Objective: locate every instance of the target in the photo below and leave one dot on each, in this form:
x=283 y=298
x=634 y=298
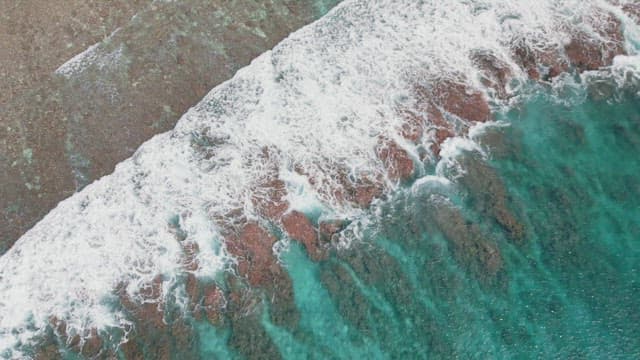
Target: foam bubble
x=320 y=101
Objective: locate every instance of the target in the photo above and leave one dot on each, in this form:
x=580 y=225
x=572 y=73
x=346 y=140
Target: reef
x=257 y=286
x=64 y=128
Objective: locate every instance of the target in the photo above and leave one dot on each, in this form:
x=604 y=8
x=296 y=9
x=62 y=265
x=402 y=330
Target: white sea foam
x=430 y=182
x=78 y=62
x=92 y=56
x=319 y=100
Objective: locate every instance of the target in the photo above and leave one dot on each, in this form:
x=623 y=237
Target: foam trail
x=320 y=101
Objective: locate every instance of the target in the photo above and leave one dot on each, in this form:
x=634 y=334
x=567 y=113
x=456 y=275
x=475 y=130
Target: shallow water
x=522 y=246
x=569 y=289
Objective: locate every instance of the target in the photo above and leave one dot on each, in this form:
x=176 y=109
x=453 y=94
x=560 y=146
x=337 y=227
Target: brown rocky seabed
x=59 y=132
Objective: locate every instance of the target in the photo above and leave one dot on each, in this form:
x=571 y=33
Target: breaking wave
x=315 y=106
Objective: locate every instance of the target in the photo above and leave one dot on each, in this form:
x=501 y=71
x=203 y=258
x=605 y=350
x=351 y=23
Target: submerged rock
x=359 y=191
x=253 y=248
x=259 y=266
x=472 y=247
x=351 y=303
x=588 y=53
x=540 y=64
x=158 y=326
x=583 y=51
x=327 y=229
x=299 y=228
x=207 y=300
x=190 y=261
x=396 y=160
x=490 y=194
x=496 y=74
x=89 y=344
x=243 y=315
x=148 y=310
x=461 y=100
x=413 y=125
x=269 y=193
x=365 y=191
x=212 y=303
x=48 y=352
x=446 y=97
x=270 y=198
x=439 y=136
x=92 y=344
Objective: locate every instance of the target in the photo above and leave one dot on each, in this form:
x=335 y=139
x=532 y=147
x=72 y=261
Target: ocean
x=515 y=236
x=568 y=289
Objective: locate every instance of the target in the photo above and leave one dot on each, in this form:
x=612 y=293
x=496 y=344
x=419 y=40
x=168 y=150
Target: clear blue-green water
x=568 y=288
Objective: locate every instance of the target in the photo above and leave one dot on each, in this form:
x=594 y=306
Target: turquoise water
x=557 y=197
x=568 y=288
